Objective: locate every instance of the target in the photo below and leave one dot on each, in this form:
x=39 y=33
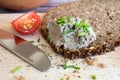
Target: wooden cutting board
x=8 y=61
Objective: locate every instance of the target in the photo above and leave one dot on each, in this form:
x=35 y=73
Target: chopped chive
x=38 y=40
x=65 y=66
x=60 y=24
x=71 y=66
x=94 y=77
x=87 y=28
x=85 y=23
x=68 y=18
x=80 y=25
x=75 y=24
x=31 y=41
x=67 y=31
x=61 y=21
x=48 y=37
x=81 y=34
x=16 y=69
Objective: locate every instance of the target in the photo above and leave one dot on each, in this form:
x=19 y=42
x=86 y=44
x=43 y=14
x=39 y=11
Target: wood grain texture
x=8 y=61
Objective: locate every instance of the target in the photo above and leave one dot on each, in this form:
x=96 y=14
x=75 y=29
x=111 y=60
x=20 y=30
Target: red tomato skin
x=32 y=14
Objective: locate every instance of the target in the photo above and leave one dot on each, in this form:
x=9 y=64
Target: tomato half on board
x=27 y=23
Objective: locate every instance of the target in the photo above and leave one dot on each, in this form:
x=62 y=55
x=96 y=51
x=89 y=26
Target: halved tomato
x=27 y=23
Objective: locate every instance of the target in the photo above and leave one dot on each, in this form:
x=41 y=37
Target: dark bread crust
x=103 y=16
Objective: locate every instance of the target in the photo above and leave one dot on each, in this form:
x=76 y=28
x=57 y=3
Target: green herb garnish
x=48 y=37
x=60 y=24
x=65 y=66
x=68 y=18
x=71 y=66
x=61 y=21
x=67 y=31
x=16 y=69
x=31 y=41
x=84 y=26
x=78 y=25
x=81 y=34
x=94 y=77
x=38 y=40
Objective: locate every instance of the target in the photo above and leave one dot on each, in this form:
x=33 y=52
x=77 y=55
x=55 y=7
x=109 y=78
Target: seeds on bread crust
x=107 y=30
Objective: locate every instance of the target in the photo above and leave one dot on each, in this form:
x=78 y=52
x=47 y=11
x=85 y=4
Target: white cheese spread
x=67 y=34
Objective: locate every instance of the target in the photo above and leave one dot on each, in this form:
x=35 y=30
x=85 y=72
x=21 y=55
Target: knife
x=25 y=50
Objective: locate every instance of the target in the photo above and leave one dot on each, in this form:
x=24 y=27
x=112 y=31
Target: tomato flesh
x=27 y=23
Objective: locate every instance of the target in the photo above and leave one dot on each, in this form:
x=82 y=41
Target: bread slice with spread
x=84 y=28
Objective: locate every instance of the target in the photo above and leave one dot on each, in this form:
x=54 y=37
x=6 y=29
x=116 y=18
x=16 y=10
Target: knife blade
x=25 y=50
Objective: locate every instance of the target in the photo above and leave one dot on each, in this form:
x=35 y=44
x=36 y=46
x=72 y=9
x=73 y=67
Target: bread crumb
x=101 y=65
x=68 y=78
x=19 y=78
x=90 y=61
x=76 y=71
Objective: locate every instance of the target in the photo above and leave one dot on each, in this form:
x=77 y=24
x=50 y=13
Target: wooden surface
x=44 y=8
x=8 y=61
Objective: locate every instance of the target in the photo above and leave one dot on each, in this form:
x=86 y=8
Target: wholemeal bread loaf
x=102 y=15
